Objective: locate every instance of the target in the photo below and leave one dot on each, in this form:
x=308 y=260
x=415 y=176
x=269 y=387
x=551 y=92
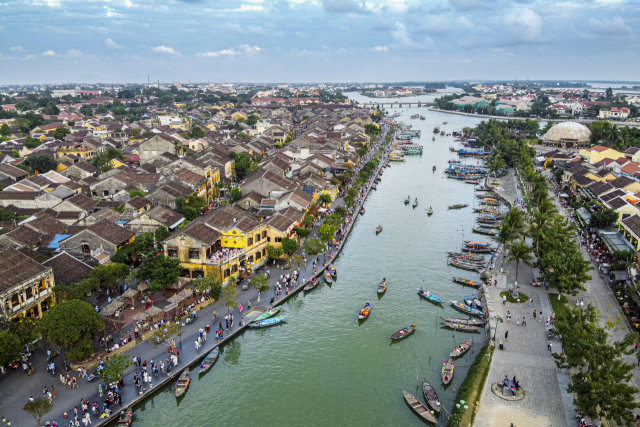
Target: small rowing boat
x=382 y=287
x=471 y=301
x=407 y=200
x=458 y=206
x=267 y=322
x=447 y=371
x=465 y=308
x=183 y=382
x=419 y=408
x=471 y=322
x=403 y=333
x=378 y=229
x=465 y=266
x=430 y=296
x=483 y=231
x=467 y=256
x=267 y=314
x=460 y=349
x=374 y=187
x=430 y=395
x=312 y=284
x=434 y=167
x=479 y=245
x=467 y=282
x=430 y=211
x=415 y=203
x=208 y=361
x=124 y=419
x=362 y=211
x=332 y=271
x=364 y=313
x=461 y=327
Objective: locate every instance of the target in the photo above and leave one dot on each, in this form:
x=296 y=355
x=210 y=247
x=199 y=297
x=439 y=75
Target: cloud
x=74 y=52
x=48 y=53
x=379 y=49
x=112 y=14
x=438 y=24
x=16 y=49
x=250 y=8
x=258 y=31
x=524 y=24
x=110 y=44
x=28 y=57
x=233 y=28
x=404 y=41
x=165 y=49
x=610 y=27
x=243 y=49
x=344 y=6
x=465 y=22
x=300 y=35
x=467 y=4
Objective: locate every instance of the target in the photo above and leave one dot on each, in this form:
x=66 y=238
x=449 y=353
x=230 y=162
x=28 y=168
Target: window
x=105 y=193
x=234 y=268
x=194 y=253
x=250 y=258
x=264 y=234
x=172 y=252
x=227 y=272
x=264 y=252
x=268 y=239
x=85 y=248
x=257 y=255
x=94 y=193
x=257 y=237
x=277 y=239
x=250 y=241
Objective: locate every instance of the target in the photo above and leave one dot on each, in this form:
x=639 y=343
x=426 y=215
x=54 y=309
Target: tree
x=114 y=368
x=341 y=210
x=334 y=220
x=61 y=132
x=274 y=252
x=102 y=161
x=608 y=94
x=538 y=225
x=261 y=283
x=604 y=218
x=520 y=253
x=38 y=408
x=243 y=164
x=229 y=294
x=6 y=215
x=602 y=376
x=42 y=164
x=303 y=232
x=10 y=348
x=86 y=110
x=15 y=153
x=71 y=324
x=30 y=142
x=326 y=232
x=197 y=132
x=5 y=130
x=208 y=283
x=495 y=165
x=162 y=271
x=136 y=192
x=289 y=246
x=326 y=199
x=314 y=247
x=505 y=234
x=236 y=194
x=25 y=329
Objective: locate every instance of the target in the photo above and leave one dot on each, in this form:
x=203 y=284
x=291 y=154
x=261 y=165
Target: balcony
x=225 y=259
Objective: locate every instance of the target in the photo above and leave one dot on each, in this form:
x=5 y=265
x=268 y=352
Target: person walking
x=549 y=345
x=53 y=391
x=524 y=321
x=506 y=336
x=530 y=301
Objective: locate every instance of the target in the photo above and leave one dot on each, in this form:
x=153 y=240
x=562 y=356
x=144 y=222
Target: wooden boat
x=461 y=327
x=460 y=349
x=364 y=313
x=430 y=395
x=468 y=256
x=467 y=282
x=183 y=382
x=267 y=322
x=419 y=408
x=382 y=287
x=483 y=231
x=422 y=118
x=475 y=244
x=332 y=271
x=403 y=333
x=124 y=419
x=471 y=301
x=362 y=211
x=489 y=226
x=378 y=229
x=472 y=181
x=208 y=361
x=465 y=266
x=374 y=187
x=434 y=167
x=465 y=308
x=447 y=371
x=471 y=322
x=312 y=284
x=269 y=313
x=430 y=211
x=415 y=203
x=478 y=250
x=459 y=206
x=407 y=200
x=430 y=296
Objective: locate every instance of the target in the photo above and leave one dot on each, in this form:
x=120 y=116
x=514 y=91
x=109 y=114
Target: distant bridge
x=399 y=104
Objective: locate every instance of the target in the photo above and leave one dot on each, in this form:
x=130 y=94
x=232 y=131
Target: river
x=322 y=367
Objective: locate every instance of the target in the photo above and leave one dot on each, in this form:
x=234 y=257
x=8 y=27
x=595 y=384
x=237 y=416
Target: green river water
x=323 y=367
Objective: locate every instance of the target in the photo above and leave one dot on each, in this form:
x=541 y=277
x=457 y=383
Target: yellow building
x=239 y=115
x=219 y=245
x=26 y=286
x=81 y=150
x=598 y=153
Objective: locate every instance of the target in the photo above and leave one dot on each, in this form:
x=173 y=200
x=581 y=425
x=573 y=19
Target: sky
x=268 y=41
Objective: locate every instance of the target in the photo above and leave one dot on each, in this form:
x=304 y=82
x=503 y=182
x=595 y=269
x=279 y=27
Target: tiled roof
x=138 y=202
x=111 y=232
x=12 y=171
x=47 y=224
x=67 y=269
x=16 y=268
x=25 y=235
x=82 y=201
x=163 y=215
x=203 y=233
x=612 y=195
x=622 y=182
x=280 y=222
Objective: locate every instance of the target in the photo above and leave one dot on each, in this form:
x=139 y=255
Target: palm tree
x=505 y=234
x=520 y=253
x=538 y=226
x=495 y=165
x=515 y=219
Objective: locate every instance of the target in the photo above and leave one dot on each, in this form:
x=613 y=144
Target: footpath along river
x=324 y=367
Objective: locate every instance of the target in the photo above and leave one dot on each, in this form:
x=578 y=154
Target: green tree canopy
x=10 y=348
x=314 y=247
x=260 y=282
x=102 y=161
x=30 y=142
x=161 y=270
x=38 y=408
x=326 y=232
x=236 y=194
x=289 y=246
x=197 y=132
x=42 y=164
x=5 y=130
x=604 y=218
x=274 y=252
x=229 y=295
x=208 y=283
x=61 y=132
x=71 y=324
x=114 y=368
x=303 y=232
x=136 y=192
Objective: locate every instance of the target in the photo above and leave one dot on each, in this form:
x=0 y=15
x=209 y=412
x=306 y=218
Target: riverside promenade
x=17 y=386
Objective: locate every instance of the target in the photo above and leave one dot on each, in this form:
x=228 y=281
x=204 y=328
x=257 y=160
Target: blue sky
x=48 y=41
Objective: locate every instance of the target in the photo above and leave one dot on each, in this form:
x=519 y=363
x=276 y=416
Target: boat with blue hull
x=430 y=296
x=465 y=308
x=267 y=322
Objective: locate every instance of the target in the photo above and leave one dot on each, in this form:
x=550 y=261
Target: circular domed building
x=568 y=135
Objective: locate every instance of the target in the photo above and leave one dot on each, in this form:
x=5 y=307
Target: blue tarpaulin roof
x=55 y=243
x=122 y=221
x=488 y=216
